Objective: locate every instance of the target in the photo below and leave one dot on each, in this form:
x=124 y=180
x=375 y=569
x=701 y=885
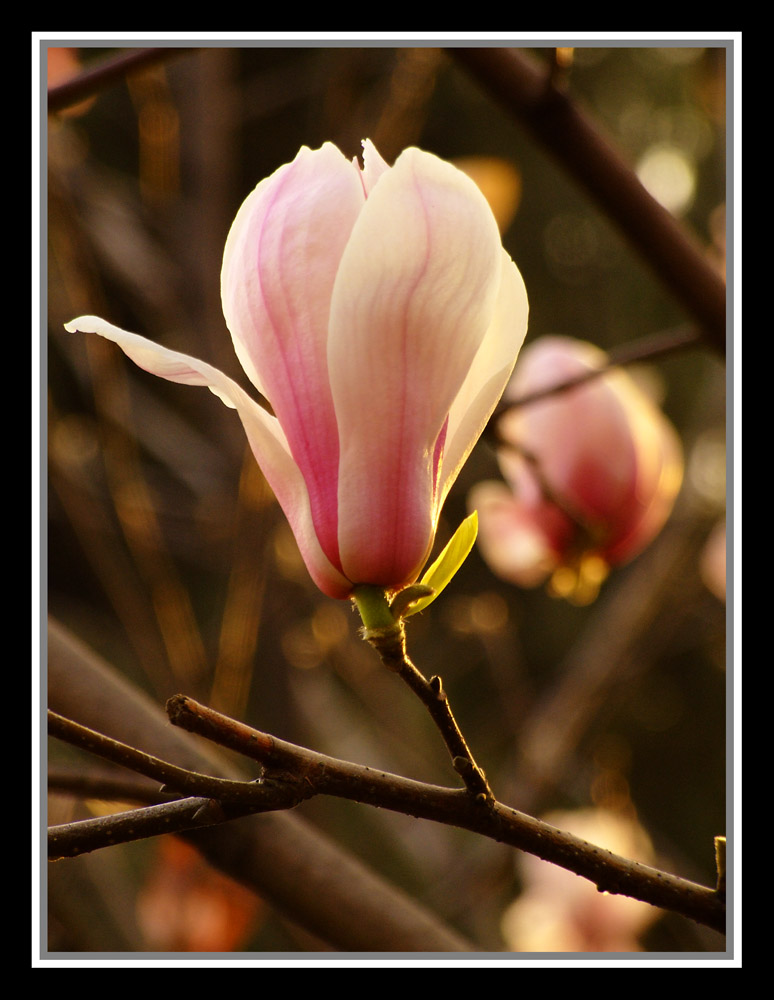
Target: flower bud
x=376 y=310
x=592 y=473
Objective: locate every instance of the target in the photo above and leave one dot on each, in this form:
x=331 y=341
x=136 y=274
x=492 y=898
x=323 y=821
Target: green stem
x=373 y=606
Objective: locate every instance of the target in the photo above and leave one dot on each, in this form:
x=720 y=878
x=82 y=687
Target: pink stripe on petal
x=413 y=299
x=279 y=268
x=376 y=311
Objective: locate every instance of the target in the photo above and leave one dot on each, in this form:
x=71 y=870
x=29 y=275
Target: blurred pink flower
x=185 y=905
x=712 y=564
x=559 y=911
x=378 y=313
x=592 y=473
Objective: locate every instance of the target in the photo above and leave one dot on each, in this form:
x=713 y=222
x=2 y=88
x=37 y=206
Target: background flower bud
x=558 y=912
x=591 y=472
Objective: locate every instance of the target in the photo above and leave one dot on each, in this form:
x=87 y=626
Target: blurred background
x=169 y=556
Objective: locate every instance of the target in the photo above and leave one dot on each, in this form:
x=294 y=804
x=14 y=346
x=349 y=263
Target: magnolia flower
x=592 y=473
x=377 y=312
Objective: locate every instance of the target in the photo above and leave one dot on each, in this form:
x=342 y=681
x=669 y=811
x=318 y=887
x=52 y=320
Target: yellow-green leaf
x=448 y=562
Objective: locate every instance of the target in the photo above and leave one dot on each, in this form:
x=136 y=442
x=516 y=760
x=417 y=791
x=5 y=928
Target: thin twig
x=106 y=785
x=70 y=840
x=256 y=797
x=385 y=630
x=390 y=644
x=301 y=872
x=217 y=799
x=319 y=774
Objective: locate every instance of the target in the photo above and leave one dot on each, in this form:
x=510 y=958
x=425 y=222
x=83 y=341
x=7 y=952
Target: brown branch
x=307 y=877
x=107 y=73
x=390 y=643
x=384 y=629
x=298 y=773
x=255 y=797
x=326 y=775
x=70 y=840
x=528 y=93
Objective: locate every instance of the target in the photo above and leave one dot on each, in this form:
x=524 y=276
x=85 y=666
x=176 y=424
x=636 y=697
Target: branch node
x=389 y=641
x=210 y=811
x=462 y=766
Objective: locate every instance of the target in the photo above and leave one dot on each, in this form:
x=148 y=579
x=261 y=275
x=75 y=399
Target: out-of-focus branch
x=105 y=784
x=527 y=90
x=636 y=351
x=304 y=875
x=456 y=807
x=97 y=78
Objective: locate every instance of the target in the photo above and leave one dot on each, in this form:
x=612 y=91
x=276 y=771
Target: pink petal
x=605 y=451
x=511 y=541
x=279 y=267
x=414 y=297
x=658 y=476
x=573 y=435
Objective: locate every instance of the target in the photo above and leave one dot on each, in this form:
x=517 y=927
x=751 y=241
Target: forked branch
x=292 y=773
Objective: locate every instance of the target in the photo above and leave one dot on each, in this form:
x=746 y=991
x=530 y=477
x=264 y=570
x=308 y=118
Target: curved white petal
x=264 y=435
x=414 y=296
x=488 y=375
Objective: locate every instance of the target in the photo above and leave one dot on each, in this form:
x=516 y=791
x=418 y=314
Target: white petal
x=264 y=434
x=414 y=295
x=373 y=166
x=489 y=373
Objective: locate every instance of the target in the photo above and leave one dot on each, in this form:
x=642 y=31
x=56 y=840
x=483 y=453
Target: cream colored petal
x=264 y=434
x=488 y=375
x=413 y=299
